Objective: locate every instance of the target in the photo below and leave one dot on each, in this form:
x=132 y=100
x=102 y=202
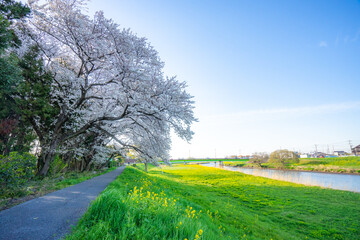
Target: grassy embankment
x=196 y=202
x=39 y=187
x=337 y=165
x=241 y=163
x=205 y=160
x=340 y=164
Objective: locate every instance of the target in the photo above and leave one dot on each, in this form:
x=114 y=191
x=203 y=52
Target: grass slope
x=197 y=202
x=340 y=164
x=206 y=160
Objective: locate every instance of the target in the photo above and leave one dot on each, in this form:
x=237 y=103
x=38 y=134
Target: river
x=328 y=180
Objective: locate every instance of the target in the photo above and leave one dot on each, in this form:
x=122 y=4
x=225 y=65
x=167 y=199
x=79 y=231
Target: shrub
x=16 y=169
x=281 y=157
x=259 y=158
x=57 y=166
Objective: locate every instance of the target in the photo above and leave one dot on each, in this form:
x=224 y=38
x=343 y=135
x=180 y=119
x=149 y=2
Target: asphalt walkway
x=51 y=216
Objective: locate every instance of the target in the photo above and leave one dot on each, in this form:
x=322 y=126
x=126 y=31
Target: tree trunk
x=88 y=160
x=82 y=165
x=46 y=159
x=88 y=167
x=107 y=161
x=45 y=168
x=6 y=148
x=146 y=166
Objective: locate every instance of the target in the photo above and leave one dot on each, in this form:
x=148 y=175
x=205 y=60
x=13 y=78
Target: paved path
x=51 y=216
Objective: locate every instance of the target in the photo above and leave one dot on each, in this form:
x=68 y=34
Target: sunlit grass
x=197 y=202
x=139 y=206
x=207 y=160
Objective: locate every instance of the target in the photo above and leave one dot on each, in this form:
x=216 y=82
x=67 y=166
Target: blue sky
x=264 y=74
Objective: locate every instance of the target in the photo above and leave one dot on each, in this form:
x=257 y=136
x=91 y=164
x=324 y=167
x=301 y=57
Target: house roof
x=357 y=148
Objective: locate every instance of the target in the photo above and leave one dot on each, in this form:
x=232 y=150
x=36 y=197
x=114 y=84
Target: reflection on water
x=335 y=181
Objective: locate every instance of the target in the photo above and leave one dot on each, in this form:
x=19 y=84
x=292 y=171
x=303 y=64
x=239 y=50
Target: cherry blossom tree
x=106 y=80
x=259 y=158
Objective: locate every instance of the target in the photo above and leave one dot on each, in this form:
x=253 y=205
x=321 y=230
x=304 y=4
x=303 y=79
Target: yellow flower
x=200 y=231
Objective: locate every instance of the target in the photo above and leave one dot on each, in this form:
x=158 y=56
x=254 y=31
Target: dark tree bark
x=47 y=157
x=106 y=163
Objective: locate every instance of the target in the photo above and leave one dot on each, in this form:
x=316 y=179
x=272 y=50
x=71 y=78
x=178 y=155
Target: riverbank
x=295 y=170
x=343 y=165
x=197 y=202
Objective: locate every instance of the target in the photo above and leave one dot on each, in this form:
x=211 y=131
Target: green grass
x=206 y=160
x=241 y=163
x=339 y=164
x=180 y=202
x=73 y=178
x=39 y=187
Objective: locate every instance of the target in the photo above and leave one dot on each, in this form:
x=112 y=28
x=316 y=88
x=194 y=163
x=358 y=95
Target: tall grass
x=142 y=207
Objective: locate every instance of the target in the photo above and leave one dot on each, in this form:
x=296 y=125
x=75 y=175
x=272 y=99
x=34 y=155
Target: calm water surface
x=328 y=180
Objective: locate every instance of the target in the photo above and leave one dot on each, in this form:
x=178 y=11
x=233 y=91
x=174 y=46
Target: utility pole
x=316 y=150
x=350 y=146
x=328 y=150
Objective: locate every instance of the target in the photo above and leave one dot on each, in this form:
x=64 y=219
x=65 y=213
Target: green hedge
x=16 y=169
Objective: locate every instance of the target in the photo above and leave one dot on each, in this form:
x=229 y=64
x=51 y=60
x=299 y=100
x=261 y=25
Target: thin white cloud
x=323 y=44
x=319 y=109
